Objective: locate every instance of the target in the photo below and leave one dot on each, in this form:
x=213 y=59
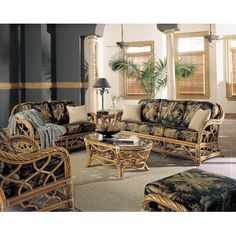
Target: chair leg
x=198 y=160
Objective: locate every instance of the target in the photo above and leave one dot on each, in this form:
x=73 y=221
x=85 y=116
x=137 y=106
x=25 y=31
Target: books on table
x=124 y=140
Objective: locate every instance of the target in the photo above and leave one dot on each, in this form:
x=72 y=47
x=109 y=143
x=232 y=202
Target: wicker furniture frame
x=207 y=145
x=52 y=194
x=70 y=142
x=112 y=117
x=122 y=157
x=161 y=200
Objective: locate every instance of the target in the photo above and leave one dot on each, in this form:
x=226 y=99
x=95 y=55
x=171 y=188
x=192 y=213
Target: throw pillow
x=199 y=118
x=132 y=112
x=77 y=114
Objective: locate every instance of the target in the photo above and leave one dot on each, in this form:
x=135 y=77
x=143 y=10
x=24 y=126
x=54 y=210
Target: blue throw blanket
x=48 y=132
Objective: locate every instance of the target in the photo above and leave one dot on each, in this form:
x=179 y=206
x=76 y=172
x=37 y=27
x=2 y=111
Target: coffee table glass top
x=122 y=140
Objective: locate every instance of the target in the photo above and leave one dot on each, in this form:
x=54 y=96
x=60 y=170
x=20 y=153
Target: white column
x=171 y=84
x=92 y=73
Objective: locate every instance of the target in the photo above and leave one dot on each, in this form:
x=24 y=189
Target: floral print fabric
x=197 y=190
x=149 y=110
x=171 y=112
x=79 y=127
x=142 y=127
x=187 y=135
x=59 y=112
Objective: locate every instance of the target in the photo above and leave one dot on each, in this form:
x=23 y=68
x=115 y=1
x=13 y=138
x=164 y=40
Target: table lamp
x=102 y=84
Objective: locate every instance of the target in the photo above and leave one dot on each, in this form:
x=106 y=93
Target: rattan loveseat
x=54 y=112
x=33 y=179
x=166 y=123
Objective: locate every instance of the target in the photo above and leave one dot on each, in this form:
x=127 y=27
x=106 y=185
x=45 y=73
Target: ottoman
x=191 y=190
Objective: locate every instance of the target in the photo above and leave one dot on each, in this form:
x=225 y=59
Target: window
x=231 y=67
x=194 y=48
x=139 y=52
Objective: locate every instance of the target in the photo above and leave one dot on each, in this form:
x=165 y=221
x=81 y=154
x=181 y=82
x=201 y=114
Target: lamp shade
x=101 y=83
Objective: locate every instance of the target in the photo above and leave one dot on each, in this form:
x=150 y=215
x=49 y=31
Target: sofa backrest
x=42 y=107
x=173 y=112
x=150 y=109
x=53 y=111
x=193 y=106
x=59 y=111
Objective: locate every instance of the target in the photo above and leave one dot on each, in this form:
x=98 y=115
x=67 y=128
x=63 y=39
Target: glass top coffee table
x=122 y=151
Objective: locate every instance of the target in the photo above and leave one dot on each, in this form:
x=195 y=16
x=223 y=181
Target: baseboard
x=230 y=116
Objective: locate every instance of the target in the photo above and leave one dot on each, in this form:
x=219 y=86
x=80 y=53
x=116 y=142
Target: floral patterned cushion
x=179 y=133
x=59 y=111
x=79 y=127
x=171 y=112
x=196 y=190
x=142 y=127
x=193 y=106
x=149 y=110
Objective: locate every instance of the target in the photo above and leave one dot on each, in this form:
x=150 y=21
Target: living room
x=42 y=63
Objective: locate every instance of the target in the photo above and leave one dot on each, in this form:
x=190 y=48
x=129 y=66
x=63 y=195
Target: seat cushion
x=193 y=106
x=171 y=112
x=59 y=111
x=196 y=190
x=79 y=127
x=149 y=110
x=142 y=127
x=179 y=133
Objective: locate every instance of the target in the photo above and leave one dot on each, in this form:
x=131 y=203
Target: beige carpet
x=97 y=188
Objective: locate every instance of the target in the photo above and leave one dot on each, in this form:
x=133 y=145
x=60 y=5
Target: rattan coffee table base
x=122 y=157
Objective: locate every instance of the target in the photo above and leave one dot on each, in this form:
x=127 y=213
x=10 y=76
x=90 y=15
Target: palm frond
x=161 y=74
x=184 y=68
x=122 y=64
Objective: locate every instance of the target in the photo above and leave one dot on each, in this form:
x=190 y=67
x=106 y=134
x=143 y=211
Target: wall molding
x=44 y=85
x=230 y=116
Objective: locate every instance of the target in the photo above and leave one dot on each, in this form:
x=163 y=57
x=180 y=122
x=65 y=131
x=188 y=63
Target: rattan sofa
x=33 y=179
x=166 y=123
x=55 y=112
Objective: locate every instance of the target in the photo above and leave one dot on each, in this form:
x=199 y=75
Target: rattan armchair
x=33 y=179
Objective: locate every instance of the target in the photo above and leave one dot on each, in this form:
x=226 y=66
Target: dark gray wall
x=41 y=53
x=9 y=69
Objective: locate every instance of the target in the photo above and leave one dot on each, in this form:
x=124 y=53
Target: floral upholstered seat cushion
x=196 y=190
x=149 y=110
x=180 y=133
x=171 y=112
x=79 y=127
x=142 y=127
x=59 y=111
x=193 y=106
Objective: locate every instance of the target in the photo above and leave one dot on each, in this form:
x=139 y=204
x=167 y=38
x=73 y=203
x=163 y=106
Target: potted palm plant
x=153 y=74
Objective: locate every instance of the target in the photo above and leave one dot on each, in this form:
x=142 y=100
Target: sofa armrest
x=209 y=132
x=23 y=144
x=24 y=127
x=31 y=171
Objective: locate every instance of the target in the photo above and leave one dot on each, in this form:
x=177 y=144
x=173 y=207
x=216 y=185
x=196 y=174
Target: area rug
x=97 y=189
